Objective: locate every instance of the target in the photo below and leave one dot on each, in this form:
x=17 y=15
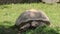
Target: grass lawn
x=10 y=12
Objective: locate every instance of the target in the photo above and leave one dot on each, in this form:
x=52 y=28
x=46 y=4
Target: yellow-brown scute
x=32 y=14
x=32 y=10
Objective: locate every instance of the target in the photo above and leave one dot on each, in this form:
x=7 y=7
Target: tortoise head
x=36 y=23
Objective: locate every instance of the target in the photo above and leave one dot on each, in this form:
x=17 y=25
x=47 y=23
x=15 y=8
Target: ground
x=10 y=12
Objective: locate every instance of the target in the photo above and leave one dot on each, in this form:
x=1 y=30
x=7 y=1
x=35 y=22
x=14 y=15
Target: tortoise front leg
x=24 y=27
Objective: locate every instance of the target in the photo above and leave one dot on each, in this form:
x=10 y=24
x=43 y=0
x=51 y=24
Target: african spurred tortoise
x=31 y=18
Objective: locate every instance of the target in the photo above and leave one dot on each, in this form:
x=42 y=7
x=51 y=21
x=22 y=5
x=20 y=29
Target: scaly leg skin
x=24 y=27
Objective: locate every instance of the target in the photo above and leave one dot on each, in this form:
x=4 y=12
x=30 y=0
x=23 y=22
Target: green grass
x=10 y=12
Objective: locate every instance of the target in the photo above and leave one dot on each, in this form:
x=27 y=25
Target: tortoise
x=31 y=18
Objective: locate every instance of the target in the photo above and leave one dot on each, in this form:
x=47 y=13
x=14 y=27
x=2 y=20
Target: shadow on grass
x=46 y=30
x=38 y=30
x=6 y=29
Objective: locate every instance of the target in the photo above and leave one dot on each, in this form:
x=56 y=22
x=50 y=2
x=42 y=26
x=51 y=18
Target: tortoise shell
x=31 y=14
